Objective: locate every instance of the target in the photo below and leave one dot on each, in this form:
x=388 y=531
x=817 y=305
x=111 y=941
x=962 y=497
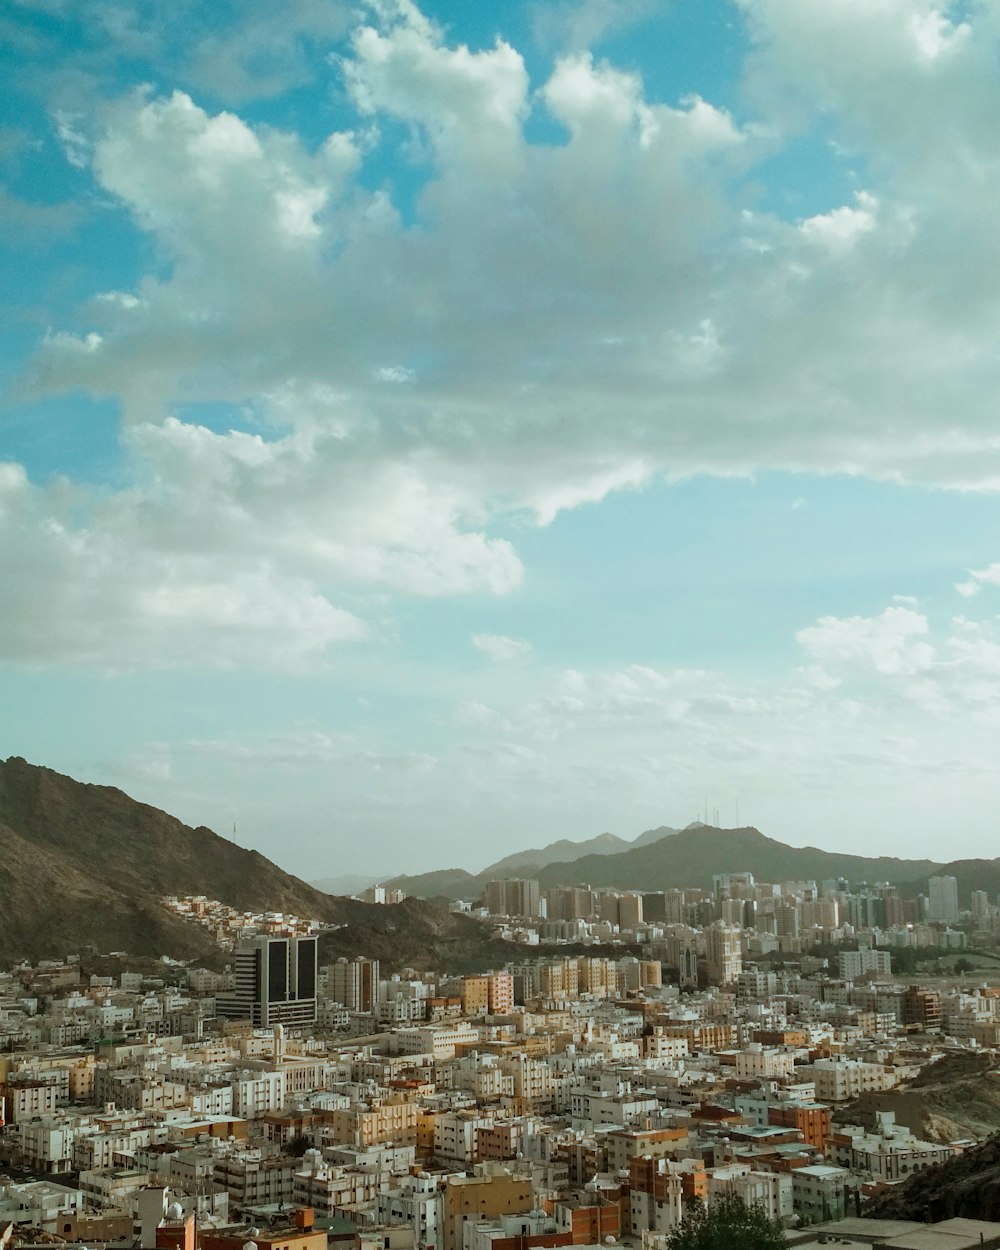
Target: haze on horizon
x=434 y=430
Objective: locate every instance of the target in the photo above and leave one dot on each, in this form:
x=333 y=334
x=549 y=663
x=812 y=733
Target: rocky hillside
x=87 y=866
x=967 y=1186
x=956 y=1098
x=416 y=934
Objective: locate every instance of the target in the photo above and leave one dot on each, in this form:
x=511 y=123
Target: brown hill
x=967 y=1186
x=85 y=865
x=956 y=1098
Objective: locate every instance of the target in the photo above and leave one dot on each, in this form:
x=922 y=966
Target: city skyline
x=428 y=433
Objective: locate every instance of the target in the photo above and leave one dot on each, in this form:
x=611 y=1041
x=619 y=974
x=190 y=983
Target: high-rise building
x=512 y=897
x=572 y=902
x=943 y=900
x=354 y=983
x=681 y=947
x=629 y=910
x=723 y=953
x=275 y=982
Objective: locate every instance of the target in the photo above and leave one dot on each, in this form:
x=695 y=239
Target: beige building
x=723 y=953
x=492 y=1191
x=378 y=1121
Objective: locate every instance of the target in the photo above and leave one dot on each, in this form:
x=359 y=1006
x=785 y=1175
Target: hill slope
x=665 y=858
x=955 y=1098
x=691 y=857
x=967 y=1186
x=84 y=865
x=457 y=883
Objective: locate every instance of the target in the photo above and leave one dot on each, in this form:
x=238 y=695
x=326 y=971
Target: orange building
x=812 y=1119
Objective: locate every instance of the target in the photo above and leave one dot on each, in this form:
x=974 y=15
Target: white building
x=819 y=1193
x=771 y=1190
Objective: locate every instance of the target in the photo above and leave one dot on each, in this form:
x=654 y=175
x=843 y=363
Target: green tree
x=728 y=1224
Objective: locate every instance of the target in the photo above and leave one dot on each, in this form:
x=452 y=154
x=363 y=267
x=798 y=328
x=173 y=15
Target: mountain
x=443 y=883
x=659 y=833
x=85 y=865
x=457 y=883
x=691 y=857
x=349 y=883
x=665 y=858
x=564 y=849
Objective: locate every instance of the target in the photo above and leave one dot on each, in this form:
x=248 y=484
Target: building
x=855 y=964
x=943 y=898
x=490 y=1192
x=492 y=994
x=890 y=1153
x=354 y=984
x=723 y=952
x=819 y=1193
x=275 y=982
x=513 y=897
x=921 y=1008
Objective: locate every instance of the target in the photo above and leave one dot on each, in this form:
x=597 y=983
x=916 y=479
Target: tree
x=728 y=1224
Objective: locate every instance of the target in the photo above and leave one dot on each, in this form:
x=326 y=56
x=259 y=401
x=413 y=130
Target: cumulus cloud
x=542 y=324
x=977 y=579
x=499 y=648
x=951 y=673
x=890 y=643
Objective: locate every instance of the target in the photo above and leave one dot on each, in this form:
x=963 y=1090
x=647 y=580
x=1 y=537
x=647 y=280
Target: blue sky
x=431 y=430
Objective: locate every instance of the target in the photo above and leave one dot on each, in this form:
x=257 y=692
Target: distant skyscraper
x=275 y=982
x=724 y=953
x=943 y=899
x=512 y=897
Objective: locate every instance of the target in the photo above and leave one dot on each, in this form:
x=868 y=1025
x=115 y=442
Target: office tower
x=275 y=982
x=943 y=903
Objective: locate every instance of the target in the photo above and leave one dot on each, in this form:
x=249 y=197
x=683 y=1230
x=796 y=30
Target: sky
x=430 y=430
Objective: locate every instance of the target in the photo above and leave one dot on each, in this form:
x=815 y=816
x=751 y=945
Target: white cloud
x=951 y=674
x=227 y=550
x=890 y=643
x=977 y=579
x=569 y=319
x=499 y=648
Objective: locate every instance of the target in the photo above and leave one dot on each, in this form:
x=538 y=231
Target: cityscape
x=641 y=1054
x=499 y=624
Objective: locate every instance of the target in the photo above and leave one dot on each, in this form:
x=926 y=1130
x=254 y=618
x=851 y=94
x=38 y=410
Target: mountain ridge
x=442 y=882
x=691 y=856
x=86 y=865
